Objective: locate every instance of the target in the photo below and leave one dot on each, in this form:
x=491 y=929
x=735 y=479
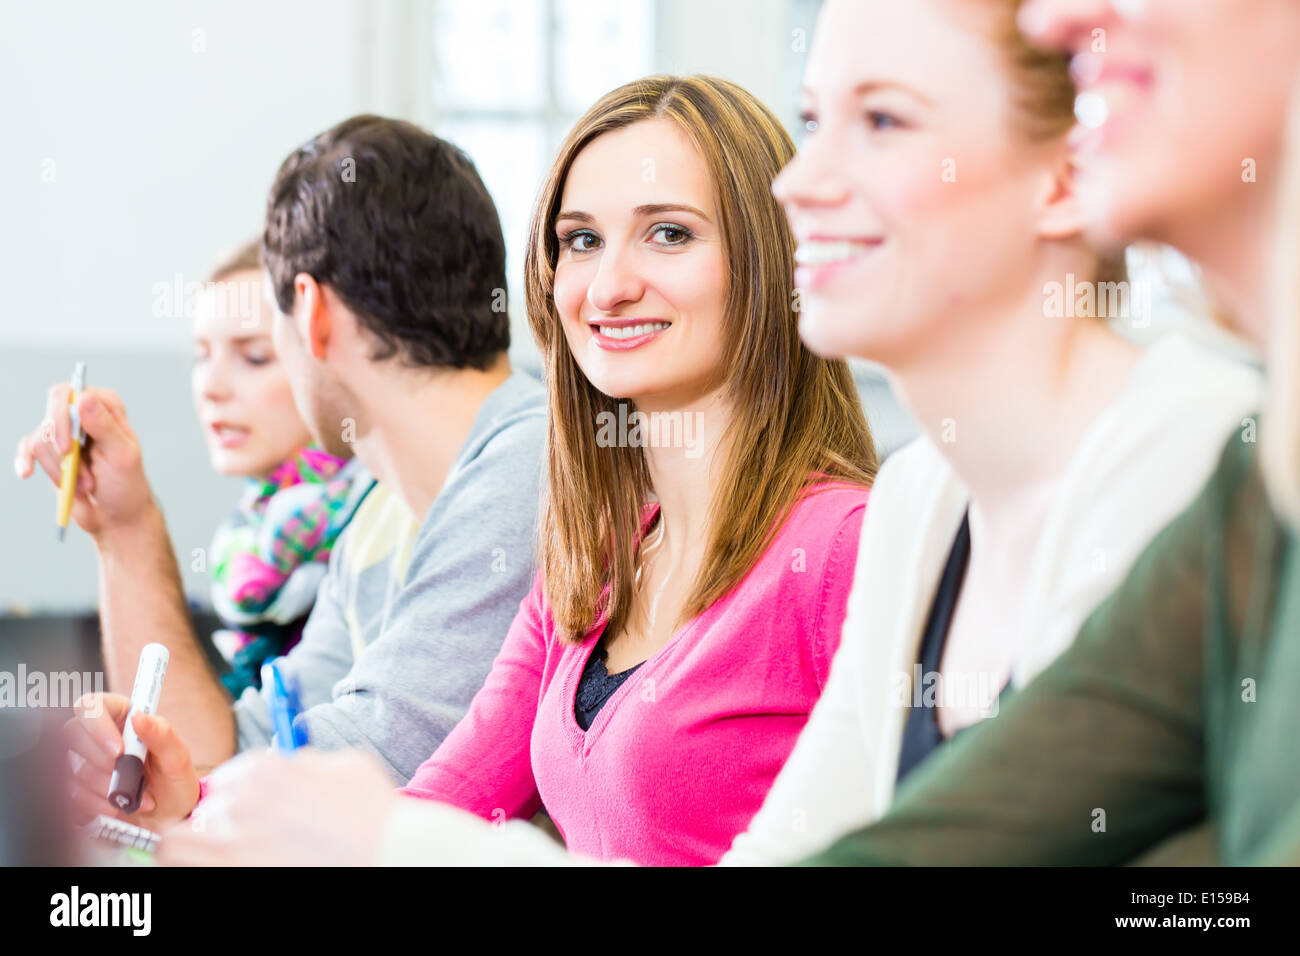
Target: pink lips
x=227 y=435
x=810 y=278
x=624 y=345
x=1121 y=86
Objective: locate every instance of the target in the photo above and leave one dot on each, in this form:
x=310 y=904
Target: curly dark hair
x=398 y=224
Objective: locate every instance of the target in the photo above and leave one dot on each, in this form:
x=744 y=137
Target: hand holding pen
x=70 y=465
x=110 y=488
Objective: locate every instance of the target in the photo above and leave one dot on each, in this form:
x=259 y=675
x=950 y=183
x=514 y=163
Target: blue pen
x=285 y=705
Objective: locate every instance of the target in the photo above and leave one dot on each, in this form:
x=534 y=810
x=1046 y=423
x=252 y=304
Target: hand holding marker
x=126 y=786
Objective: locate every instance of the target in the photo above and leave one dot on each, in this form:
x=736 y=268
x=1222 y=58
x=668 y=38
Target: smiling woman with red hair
x=1052 y=450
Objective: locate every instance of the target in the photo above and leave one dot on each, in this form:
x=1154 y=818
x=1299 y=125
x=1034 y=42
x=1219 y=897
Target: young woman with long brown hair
x=695 y=561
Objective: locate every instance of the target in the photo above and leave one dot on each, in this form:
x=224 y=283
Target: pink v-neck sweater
x=682 y=755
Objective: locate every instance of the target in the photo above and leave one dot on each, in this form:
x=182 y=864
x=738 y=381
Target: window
x=510 y=78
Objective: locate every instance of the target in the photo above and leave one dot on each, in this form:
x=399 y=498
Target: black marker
x=127 y=784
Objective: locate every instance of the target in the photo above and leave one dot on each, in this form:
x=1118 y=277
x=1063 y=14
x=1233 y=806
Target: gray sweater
x=411 y=614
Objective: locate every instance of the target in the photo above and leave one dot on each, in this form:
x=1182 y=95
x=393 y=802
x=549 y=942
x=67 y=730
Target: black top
x=921 y=734
x=595 y=687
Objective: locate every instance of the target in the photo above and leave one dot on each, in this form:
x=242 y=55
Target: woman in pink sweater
x=707 y=478
x=681 y=755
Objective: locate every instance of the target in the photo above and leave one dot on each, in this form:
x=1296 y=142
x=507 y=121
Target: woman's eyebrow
x=650 y=209
x=878 y=86
x=654 y=209
x=864 y=88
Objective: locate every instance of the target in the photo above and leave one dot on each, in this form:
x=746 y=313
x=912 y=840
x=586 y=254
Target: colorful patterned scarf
x=269 y=557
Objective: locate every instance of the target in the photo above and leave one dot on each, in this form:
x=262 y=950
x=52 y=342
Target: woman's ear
x=1060 y=214
x=311 y=315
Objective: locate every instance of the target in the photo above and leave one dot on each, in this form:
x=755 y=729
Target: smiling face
x=1179 y=101
x=241 y=392
x=912 y=198
x=640 y=279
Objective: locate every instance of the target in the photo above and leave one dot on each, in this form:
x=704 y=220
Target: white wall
x=163 y=142
x=747 y=41
x=162 y=124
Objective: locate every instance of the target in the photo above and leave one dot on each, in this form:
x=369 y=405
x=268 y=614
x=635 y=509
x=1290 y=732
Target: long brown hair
x=797 y=417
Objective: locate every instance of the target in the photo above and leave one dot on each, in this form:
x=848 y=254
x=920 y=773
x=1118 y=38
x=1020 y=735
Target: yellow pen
x=71 y=460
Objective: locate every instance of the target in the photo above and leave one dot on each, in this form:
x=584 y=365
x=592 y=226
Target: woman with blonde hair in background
x=270 y=552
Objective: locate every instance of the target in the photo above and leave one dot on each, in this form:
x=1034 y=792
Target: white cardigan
x=1140 y=463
